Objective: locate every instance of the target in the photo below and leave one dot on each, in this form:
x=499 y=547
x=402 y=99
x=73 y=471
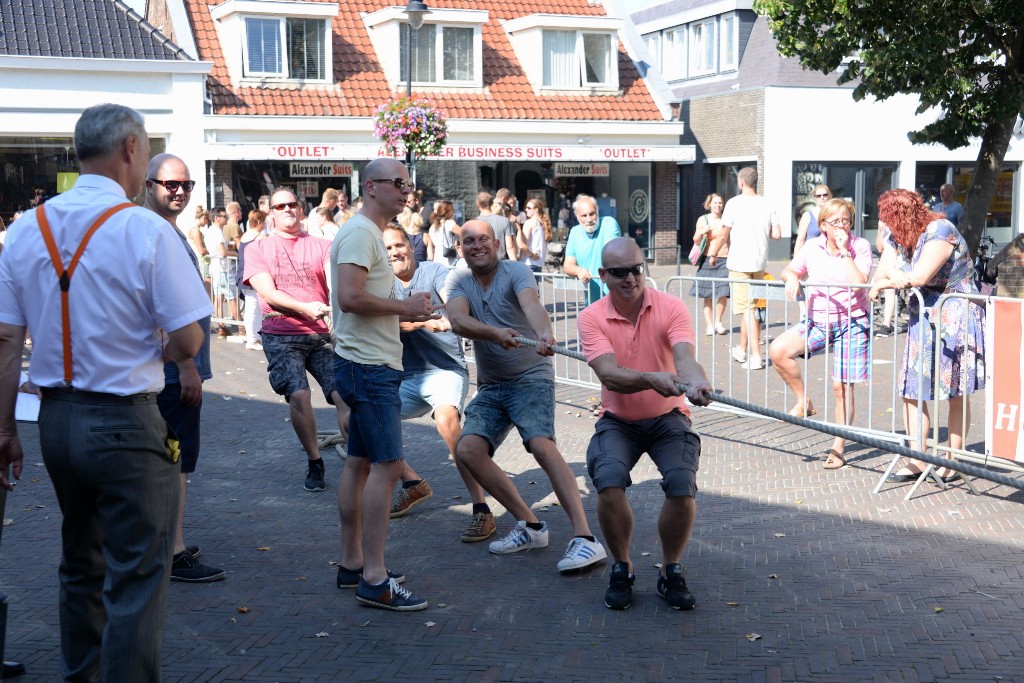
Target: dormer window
x=441 y=54
x=561 y=52
x=295 y=49
x=447 y=51
x=576 y=59
x=281 y=40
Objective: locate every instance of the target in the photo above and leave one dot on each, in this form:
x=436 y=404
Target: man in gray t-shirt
x=435 y=379
x=493 y=302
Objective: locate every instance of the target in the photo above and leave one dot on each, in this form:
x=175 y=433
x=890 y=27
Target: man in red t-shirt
x=640 y=343
x=288 y=271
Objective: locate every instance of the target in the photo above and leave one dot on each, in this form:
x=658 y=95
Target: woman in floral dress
x=937 y=262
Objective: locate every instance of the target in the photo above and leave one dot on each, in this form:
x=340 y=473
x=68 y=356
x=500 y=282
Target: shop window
x=287 y=48
x=577 y=59
x=441 y=54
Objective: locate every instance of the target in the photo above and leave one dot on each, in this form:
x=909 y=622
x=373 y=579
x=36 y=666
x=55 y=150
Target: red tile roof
x=361 y=84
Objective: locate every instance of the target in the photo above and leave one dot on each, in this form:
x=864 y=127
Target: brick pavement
x=840 y=584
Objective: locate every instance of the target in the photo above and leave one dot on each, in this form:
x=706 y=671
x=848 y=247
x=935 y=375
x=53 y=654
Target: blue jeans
x=375 y=423
x=528 y=405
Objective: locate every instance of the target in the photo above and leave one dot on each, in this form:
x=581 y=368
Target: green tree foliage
x=963 y=57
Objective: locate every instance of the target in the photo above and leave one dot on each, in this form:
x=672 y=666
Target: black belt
x=97 y=398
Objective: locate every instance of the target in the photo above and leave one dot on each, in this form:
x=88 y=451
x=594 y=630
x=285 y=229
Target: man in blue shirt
x=953 y=209
x=435 y=380
x=583 y=250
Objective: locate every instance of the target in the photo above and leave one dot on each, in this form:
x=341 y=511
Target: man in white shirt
x=118 y=489
x=748 y=221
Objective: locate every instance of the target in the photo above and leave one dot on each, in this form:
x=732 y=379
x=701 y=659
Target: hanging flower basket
x=410 y=123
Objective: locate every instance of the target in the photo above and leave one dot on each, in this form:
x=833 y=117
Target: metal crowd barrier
x=221 y=284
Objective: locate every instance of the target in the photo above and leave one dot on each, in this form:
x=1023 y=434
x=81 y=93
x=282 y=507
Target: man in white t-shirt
x=748 y=220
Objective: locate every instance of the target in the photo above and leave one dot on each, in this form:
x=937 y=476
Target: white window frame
x=670 y=70
x=695 y=60
x=282 y=75
x=728 y=39
x=580 y=62
x=477 y=77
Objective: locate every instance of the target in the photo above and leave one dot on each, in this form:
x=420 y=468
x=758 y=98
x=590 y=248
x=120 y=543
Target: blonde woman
x=535 y=235
x=710 y=225
x=808 y=227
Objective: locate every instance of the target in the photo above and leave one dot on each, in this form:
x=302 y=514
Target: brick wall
x=1011 y=269
x=156 y=14
x=665 y=212
x=222 y=191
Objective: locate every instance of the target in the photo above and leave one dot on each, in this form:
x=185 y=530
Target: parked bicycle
x=985 y=275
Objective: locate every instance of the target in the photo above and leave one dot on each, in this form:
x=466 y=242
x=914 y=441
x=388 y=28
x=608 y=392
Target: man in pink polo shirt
x=640 y=344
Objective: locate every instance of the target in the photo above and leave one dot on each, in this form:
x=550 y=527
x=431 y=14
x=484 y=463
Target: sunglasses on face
x=286 y=205
x=621 y=273
x=398 y=183
x=173 y=185
x=821 y=196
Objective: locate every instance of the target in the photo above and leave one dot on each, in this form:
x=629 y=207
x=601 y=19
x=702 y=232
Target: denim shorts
x=290 y=356
x=375 y=423
x=184 y=422
x=423 y=392
x=668 y=439
x=528 y=405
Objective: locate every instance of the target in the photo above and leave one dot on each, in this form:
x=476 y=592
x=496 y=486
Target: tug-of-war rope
x=831 y=430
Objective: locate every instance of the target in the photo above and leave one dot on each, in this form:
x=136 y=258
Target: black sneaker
x=315 y=476
x=389 y=595
x=884 y=331
x=349 y=578
x=620 y=588
x=673 y=588
x=188 y=569
x=194 y=550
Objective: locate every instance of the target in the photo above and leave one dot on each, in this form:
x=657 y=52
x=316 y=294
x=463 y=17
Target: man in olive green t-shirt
x=367 y=374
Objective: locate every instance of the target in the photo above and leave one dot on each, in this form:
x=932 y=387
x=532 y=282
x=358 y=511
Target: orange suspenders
x=64 y=275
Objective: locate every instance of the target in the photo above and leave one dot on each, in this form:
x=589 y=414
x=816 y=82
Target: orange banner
x=1005 y=366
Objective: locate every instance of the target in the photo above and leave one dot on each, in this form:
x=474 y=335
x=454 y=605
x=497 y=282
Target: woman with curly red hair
x=924 y=250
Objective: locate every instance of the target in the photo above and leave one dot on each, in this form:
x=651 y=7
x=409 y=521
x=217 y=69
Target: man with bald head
x=640 y=344
x=368 y=373
x=493 y=301
x=168 y=191
x=952 y=209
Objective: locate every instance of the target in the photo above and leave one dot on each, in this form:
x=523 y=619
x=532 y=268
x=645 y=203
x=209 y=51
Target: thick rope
x=832 y=430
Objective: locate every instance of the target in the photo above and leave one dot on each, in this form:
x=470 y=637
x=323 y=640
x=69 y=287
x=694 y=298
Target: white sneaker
x=254 y=346
x=581 y=553
x=739 y=355
x=752 y=364
x=709 y=332
x=521 y=537
x=720 y=330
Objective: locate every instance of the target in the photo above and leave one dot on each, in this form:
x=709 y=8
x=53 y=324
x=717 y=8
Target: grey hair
x=103 y=128
x=583 y=198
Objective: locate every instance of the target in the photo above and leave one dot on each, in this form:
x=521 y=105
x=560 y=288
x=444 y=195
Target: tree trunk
x=994 y=144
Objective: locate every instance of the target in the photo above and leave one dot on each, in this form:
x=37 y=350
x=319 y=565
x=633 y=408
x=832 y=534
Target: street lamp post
x=415 y=12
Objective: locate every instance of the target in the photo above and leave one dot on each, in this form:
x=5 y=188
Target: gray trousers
x=118 y=490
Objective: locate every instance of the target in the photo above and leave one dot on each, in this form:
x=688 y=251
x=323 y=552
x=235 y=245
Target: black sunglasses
x=286 y=205
x=173 y=185
x=621 y=273
x=398 y=183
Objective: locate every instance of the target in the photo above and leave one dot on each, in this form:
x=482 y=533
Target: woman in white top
x=534 y=237
x=444 y=233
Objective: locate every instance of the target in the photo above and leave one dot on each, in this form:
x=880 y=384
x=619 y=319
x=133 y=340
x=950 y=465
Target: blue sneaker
x=349 y=578
x=389 y=595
